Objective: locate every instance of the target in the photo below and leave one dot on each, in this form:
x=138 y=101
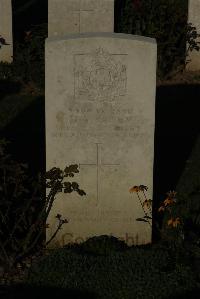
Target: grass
x=148 y=271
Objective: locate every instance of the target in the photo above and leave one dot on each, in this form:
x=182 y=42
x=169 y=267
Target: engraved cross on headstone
x=79 y=11
x=80 y=16
x=97 y=164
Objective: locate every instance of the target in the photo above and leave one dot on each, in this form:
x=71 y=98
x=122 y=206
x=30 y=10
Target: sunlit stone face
x=79 y=16
x=100 y=106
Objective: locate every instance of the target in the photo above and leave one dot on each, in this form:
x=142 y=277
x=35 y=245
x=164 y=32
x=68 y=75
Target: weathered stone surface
x=193 y=17
x=6 y=51
x=78 y=16
x=100 y=108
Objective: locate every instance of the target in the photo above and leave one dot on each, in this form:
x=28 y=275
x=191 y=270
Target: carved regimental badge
x=99 y=75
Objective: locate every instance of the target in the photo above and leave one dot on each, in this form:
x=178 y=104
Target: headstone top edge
x=102 y=34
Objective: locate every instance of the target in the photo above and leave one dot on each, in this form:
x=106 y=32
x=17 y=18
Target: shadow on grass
x=194 y=294
x=33 y=292
x=8 y=87
x=177 y=128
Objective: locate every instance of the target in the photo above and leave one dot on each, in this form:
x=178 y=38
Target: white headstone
x=77 y=16
x=100 y=114
x=6 y=51
x=194 y=18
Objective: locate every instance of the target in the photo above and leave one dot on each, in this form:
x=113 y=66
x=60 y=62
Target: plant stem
x=147 y=199
x=55 y=233
x=143 y=208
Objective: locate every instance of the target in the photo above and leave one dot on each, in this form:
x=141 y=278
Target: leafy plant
x=180 y=222
x=191 y=39
x=166 y=21
x=173 y=231
x=188 y=207
x=147 y=203
x=28 y=67
x=29 y=62
x=24 y=207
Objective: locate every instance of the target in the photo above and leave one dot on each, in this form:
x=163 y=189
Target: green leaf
x=147 y=217
x=71 y=169
x=81 y=192
x=75 y=185
x=141 y=219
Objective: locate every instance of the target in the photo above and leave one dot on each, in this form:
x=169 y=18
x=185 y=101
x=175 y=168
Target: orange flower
x=170 y=222
x=138 y=188
x=147 y=203
x=162 y=208
x=134 y=189
x=171 y=194
x=143 y=188
x=174 y=222
x=168 y=201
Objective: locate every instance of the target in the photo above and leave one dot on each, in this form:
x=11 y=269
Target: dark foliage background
x=165 y=20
